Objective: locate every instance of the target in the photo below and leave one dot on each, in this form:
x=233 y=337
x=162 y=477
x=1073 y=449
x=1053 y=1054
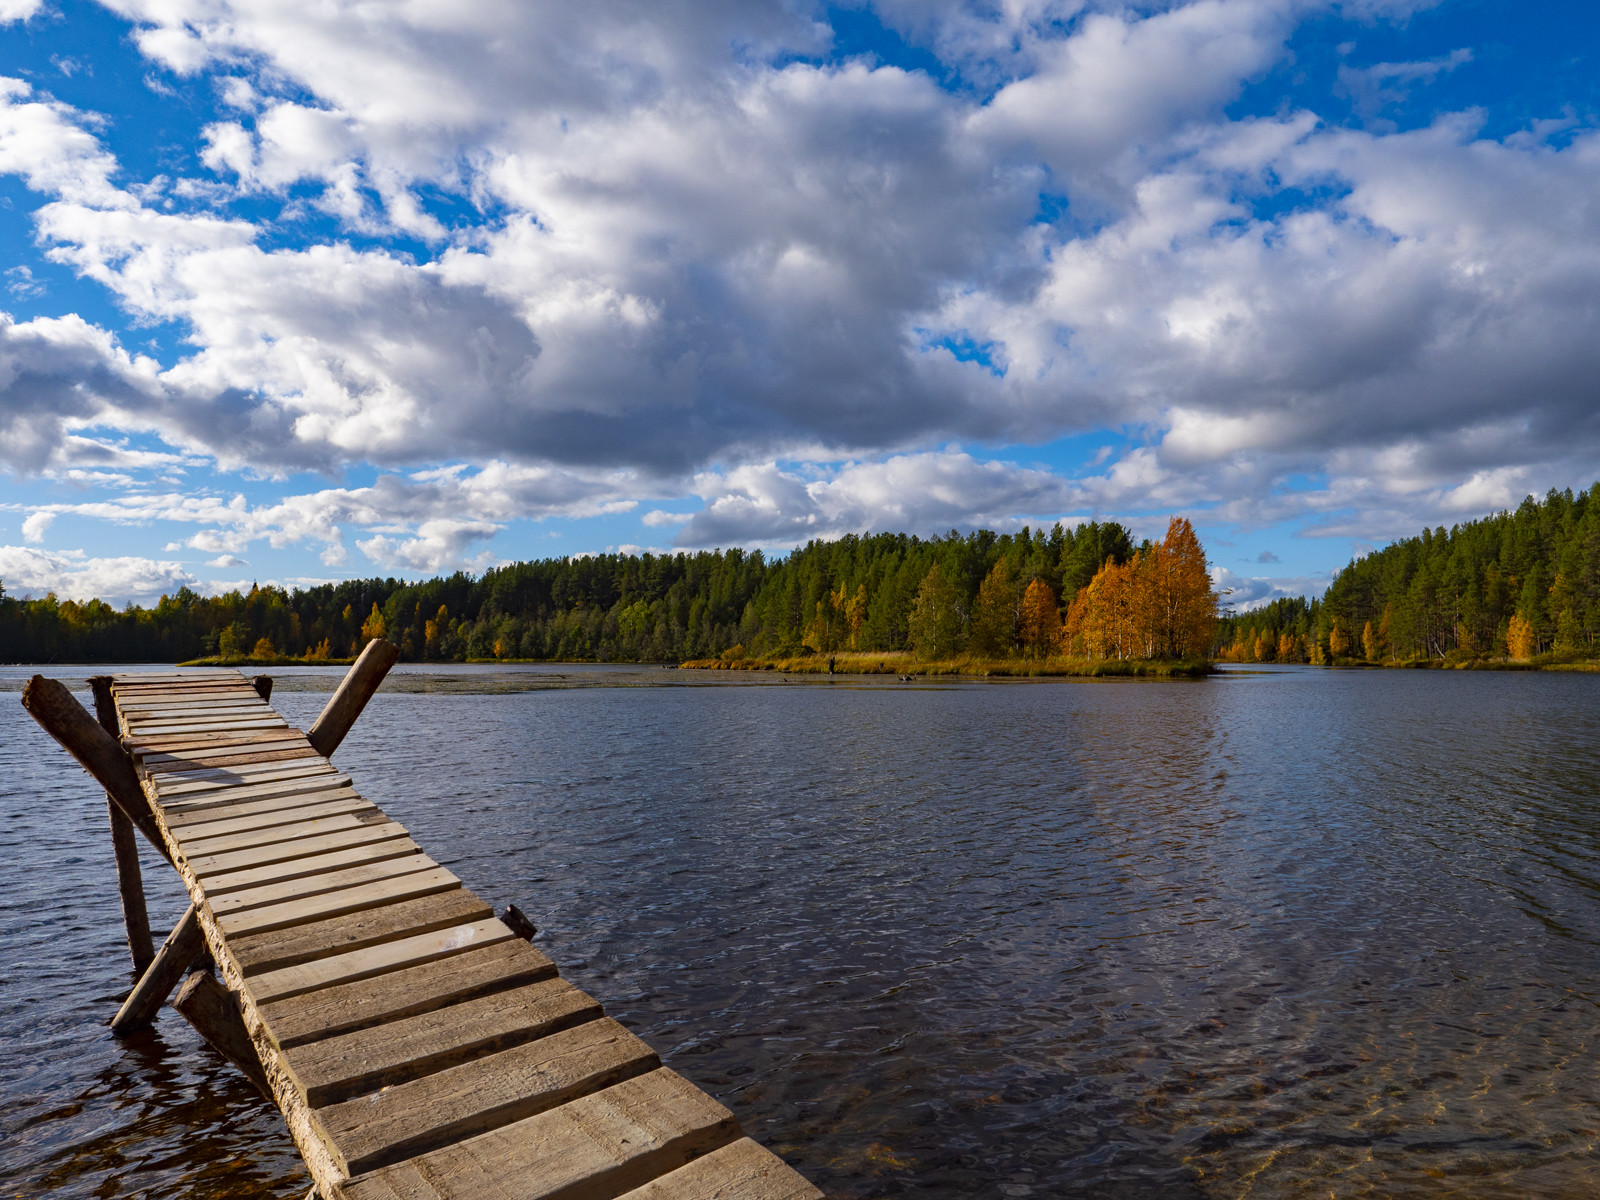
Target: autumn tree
x=1040 y=624
x=1175 y=595
x=1101 y=622
x=1338 y=639
x=936 y=618
x=373 y=627
x=1370 y=645
x=1522 y=641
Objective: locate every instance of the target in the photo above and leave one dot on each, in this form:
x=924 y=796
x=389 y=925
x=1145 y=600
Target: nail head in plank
x=413 y=1117
x=345 y=1007
x=593 y=1148
x=258 y=953
x=334 y=970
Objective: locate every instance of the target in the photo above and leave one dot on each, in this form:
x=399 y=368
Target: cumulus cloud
x=789 y=278
x=30 y=572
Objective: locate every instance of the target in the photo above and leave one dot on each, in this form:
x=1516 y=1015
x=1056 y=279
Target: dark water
x=1276 y=935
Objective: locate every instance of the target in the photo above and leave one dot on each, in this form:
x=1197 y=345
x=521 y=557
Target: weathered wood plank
x=219 y=887
x=742 y=1170
x=205 y=865
x=192 y=789
x=343 y=967
x=354 y=1064
x=292 y=832
x=593 y=1148
x=354 y=899
x=276 y=789
x=183 y=945
x=414 y=1116
x=406 y=991
x=185 y=819
x=257 y=953
x=150 y=754
x=207 y=741
x=357 y=687
x=170 y=765
x=189 y=726
x=227 y=824
x=282 y=891
x=180 y=783
x=157 y=707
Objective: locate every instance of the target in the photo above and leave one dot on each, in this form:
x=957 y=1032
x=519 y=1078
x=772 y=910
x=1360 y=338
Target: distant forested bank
x=1516 y=587
x=1090 y=591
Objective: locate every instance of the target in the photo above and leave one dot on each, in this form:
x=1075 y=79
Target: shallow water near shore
x=1280 y=933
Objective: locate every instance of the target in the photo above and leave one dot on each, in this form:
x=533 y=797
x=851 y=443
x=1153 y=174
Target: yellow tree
x=1103 y=619
x=855 y=613
x=1175 y=596
x=372 y=628
x=1521 y=639
x=1338 y=639
x=1041 y=621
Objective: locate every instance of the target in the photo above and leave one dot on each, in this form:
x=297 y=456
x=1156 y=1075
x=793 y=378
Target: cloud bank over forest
x=407 y=282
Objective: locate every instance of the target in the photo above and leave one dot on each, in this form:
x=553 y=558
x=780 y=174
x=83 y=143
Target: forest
x=1520 y=586
x=1088 y=591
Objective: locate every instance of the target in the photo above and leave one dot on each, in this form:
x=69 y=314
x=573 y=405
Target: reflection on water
x=1287 y=934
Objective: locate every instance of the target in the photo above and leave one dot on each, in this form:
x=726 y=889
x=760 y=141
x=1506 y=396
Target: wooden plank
x=195 y=719
x=257 y=953
x=276 y=789
x=194 y=836
x=231 y=776
x=252 y=723
x=219 y=886
x=208 y=741
x=157 y=698
x=593 y=1148
x=283 y=890
x=205 y=865
x=199 y=790
x=354 y=1064
x=415 y=1116
x=406 y=991
x=185 y=819
x=155 y=706
x=168 y=765
x=292 y=913
x=274 y=984
x=292 y=832
x=742 y=1170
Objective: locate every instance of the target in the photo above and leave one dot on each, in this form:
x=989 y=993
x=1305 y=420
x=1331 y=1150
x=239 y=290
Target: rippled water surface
x=1288 y=934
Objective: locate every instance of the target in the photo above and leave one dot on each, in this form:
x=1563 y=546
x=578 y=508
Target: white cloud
x=72 y=575
x=18 y=10
x=36 y=525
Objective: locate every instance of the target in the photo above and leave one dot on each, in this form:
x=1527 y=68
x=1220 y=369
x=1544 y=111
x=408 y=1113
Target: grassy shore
x=265 y=660
x=901 y=662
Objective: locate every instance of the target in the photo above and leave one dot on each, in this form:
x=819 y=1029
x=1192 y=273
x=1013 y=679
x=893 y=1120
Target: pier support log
x=214 y=1012
x=130 y=880
x=346 y=703
x=263 y=686
x=53 y=706
x=178 y=953
x=514 y=919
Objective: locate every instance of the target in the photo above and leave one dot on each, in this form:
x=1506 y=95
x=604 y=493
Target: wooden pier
x=418 y=1046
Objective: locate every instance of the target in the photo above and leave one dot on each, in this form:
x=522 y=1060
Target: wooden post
x=130 y=880
x=64 y=719
x=346 y=703
x=214 y=1012
x=178 y=953
x=514 y=919
x=263 y=686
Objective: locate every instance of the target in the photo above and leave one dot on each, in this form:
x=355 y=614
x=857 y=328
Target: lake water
x=1283 y=934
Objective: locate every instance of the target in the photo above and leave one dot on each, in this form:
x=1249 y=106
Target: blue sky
x=311 y=291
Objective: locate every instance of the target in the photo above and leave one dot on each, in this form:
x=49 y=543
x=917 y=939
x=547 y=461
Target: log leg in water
x=178 y=953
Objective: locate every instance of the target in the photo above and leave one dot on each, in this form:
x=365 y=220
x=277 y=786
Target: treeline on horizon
x=878 y=592
x=1518 y=586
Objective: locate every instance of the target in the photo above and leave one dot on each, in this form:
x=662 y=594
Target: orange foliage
x=1521 y=639
x=1041 y=621
x=1156 y=605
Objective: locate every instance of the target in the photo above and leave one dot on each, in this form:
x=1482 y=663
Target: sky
x=315 y=290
